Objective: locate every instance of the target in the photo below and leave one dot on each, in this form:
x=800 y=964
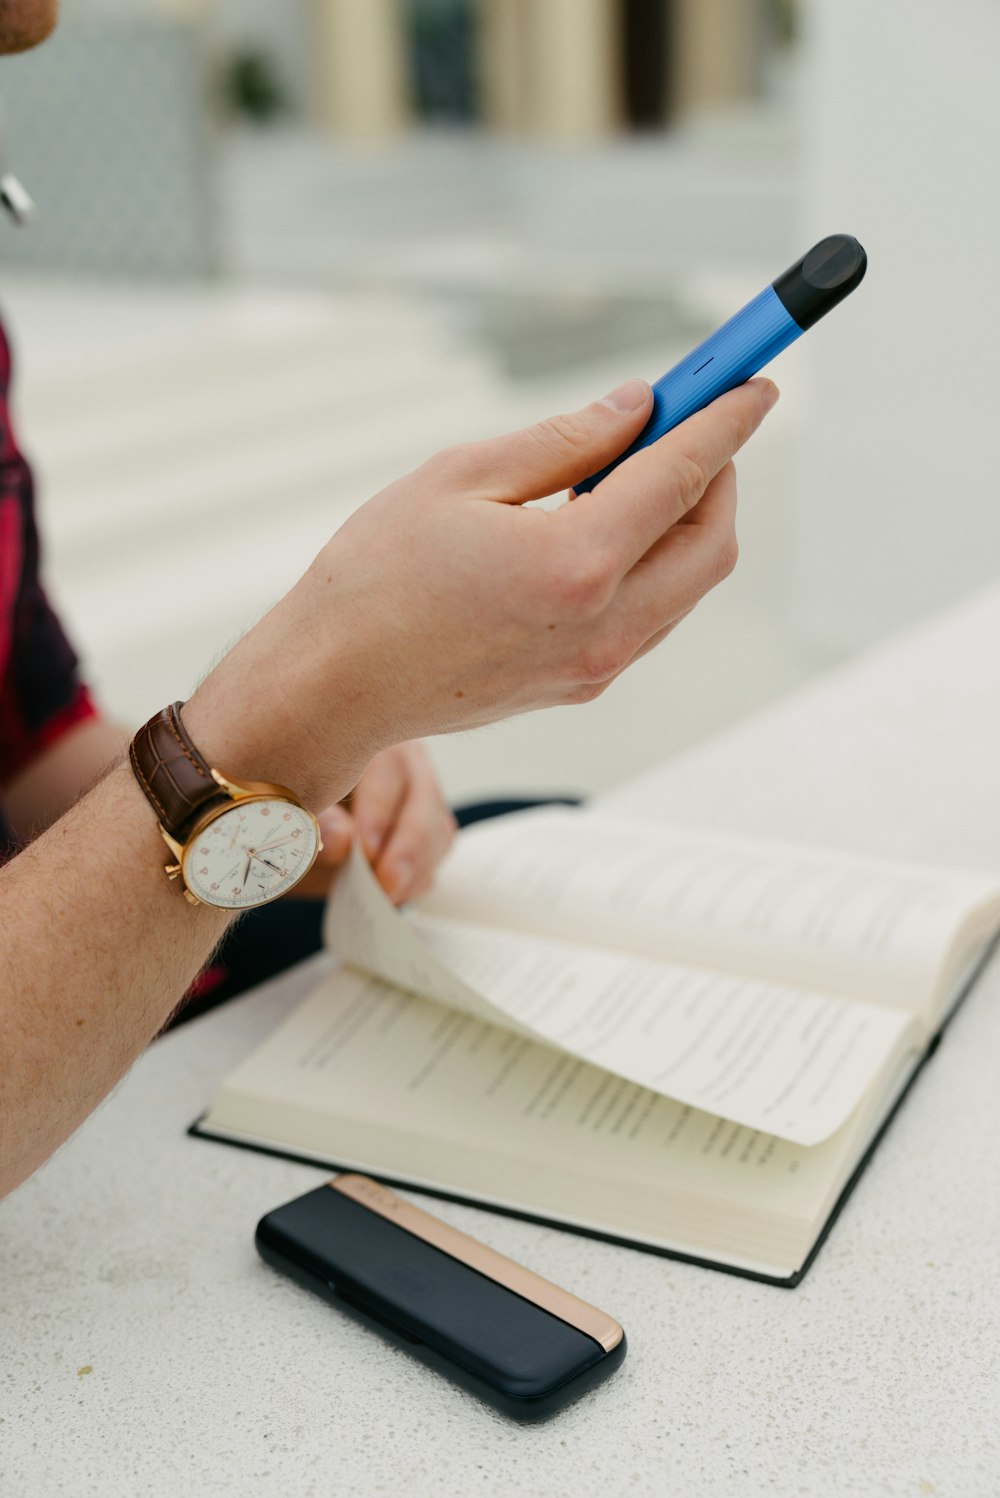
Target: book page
x=788 y=1061
x=363 y=927
x=862 y=928
x=367 y=1076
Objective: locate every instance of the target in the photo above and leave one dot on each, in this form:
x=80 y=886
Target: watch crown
x=171 y=870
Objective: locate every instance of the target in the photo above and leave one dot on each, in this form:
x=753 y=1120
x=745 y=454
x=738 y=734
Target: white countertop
x=146 y=1350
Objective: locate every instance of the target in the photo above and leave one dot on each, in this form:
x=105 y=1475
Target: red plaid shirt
x=41 y=694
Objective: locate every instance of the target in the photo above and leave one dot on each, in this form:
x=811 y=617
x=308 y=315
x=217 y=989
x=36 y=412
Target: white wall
x=899 y=488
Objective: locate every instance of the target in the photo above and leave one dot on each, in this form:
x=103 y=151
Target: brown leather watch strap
x=176 y=780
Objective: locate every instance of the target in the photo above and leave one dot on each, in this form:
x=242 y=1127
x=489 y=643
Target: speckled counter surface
x=144 y=1349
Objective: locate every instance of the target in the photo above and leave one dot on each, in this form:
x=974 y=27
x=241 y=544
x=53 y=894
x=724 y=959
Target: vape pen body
x=750 y=339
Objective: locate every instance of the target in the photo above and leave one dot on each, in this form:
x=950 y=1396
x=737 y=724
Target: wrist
x=276 y=709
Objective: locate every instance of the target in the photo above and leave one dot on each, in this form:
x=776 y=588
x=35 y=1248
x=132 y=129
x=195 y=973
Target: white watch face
x=251 y=854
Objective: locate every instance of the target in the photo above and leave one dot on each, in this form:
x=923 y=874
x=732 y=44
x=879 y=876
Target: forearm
x=98 y=949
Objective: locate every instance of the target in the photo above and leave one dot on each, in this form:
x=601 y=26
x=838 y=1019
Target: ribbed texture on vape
x=734 y=352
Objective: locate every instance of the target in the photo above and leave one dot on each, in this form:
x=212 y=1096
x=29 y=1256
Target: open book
x=679 y=1040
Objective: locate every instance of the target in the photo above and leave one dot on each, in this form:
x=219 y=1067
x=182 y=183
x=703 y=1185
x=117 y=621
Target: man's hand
x=450 y=601
x=403 y=822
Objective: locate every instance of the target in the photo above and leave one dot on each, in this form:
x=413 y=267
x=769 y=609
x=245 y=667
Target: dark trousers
x=275 y=937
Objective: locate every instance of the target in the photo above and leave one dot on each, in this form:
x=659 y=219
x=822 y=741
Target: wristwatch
x=237 y=843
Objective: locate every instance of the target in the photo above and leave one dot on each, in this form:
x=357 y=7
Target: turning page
x=784 y=1060
x=884 y=932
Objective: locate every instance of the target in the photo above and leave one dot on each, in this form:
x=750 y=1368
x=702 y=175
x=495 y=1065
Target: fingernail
x=371 y=839
x=628 y=397
x=771 y=394
x=402 y=875
x=333 y=823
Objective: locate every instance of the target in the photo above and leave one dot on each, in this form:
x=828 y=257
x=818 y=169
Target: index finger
x=647 y=494
x=378 y=798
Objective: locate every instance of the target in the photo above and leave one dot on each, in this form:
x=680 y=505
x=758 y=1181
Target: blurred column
x=576 y=56
x=361 y=68
x=716 y=50
x=552 y=68
x=504 y=73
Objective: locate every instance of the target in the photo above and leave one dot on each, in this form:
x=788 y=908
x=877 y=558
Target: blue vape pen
x=750 y=339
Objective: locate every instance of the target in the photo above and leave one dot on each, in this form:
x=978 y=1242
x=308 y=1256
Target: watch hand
x=276 y=844
x=270 y=865
x=246 y=871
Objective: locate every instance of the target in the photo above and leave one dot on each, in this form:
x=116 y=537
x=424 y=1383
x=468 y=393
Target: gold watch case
x=239 y=791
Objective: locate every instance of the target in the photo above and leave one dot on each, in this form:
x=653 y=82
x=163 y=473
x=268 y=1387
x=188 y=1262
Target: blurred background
x=283 y=253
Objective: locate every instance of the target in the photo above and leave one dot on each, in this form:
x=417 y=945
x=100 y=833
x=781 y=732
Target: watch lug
x=243 y=790
x=176 y=848
x=231 y=787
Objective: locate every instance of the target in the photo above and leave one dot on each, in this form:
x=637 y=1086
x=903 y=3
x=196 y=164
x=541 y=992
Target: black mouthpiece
x=822 y=278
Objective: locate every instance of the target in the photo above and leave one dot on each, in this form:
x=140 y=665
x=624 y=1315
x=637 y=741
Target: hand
x=403 y=822
x=448 y=601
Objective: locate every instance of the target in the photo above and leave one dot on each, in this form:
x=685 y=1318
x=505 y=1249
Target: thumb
x=556 y=453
